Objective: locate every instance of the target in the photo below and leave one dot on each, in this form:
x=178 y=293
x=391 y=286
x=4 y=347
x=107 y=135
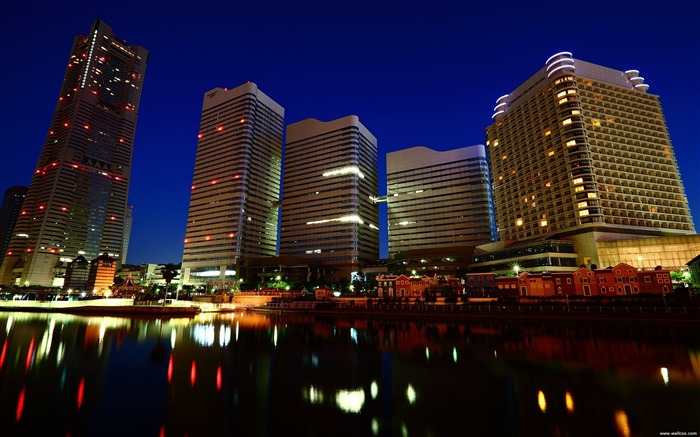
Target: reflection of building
x=582 y=152
x=236 y=183
x=438 y=199
x=9 y=212
x=329 y=209
x=77 y=199
x=128 y=222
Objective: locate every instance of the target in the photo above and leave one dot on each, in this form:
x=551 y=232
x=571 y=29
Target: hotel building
x=236 y=184
x=77 y=198
x=329 y=209
x=438 y=199
x=582 y=152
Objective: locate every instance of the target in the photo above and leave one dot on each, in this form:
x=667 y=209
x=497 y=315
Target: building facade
x=77 y=198
x=438 y=199
x=581 y=148
x=9 y=213
x=329 y=208
x=236 y=184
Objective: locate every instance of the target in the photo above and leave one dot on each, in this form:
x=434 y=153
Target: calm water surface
x=255 y=375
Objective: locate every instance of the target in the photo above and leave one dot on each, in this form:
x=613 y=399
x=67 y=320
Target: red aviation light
x=112 y=218
x=51 y=132
x=242 y=120
x=41 y=206
x=24 y=212
x=9 y=253
x=117 y=178
x=231 y=235
x=63 y=208
x=87 y=127
x=199 y=136
x=213 y=182
x=193 y=373
x=29 y=249
x=52 y=250
x=187 y=240
x=54 y=164
x=220 y=128
x=65 y=124
x=218 y=378
x=207 y=238
x=38 y=171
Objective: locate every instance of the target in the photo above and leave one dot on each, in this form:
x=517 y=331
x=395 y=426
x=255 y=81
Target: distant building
x=77 y=273
x=9 y=212
x=620 y=280
x=582 y=152
x=329 y=209
x=77 y=200
x=128 y=222
x=403 y=286
x=152 y=274
x=438 y=199
x=236 y=184
x=103 y=269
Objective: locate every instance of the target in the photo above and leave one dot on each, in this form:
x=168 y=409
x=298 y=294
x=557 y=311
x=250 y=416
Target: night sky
x=416 y=73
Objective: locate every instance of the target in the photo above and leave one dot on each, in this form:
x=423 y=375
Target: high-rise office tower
x=581 y=148
x=438 y=199
x=77 y=198
x=236 y=185
x=329 y=209
x=9 y=212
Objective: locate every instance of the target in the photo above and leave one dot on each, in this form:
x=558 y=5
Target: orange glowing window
x=220 y=128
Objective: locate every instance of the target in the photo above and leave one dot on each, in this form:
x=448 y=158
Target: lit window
x=547 y=132
x=550 y=153
x=519 y=222
x=547 y=184
x=583 y=212
x=575 y=112
x=565 y=122
x=578 y=180
x=561 y=94
x=495 y=143
x=571 y=92
x=543 y=223
x=595 y=122
x=504 y=157
x=570 y=143
x=578 y=188
x=562 y=101
x=592 y=196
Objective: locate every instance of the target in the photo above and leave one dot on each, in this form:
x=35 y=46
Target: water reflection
x=249 y=374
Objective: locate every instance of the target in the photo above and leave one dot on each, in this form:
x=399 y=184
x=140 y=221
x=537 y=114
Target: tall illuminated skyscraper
x=584 y=149
x=438 y=199
x=329 y=209
x=77 y=198
x=9 y=213
x=236 y=184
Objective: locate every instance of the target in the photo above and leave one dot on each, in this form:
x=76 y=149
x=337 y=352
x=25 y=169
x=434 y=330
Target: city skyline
x=413 y=76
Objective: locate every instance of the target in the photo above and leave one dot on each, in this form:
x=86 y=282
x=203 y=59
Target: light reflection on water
x=250 y=374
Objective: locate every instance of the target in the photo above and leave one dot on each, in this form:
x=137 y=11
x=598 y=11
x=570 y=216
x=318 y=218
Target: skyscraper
x=438 y=199
x=9 y=212
x=329 y=209
x=236 y=185
x=77 y=198
x=584 y=149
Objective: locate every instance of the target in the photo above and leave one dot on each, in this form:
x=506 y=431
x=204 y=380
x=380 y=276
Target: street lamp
x=516 y=269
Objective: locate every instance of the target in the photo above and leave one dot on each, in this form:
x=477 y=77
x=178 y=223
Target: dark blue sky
x=416 y=73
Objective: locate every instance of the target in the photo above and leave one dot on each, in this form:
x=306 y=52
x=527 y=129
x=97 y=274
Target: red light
x=207 y=238
x=9 y=253
x=60 y=98
x=29 y=249
x=24 y=212
x=118 y=178
x=4 y=352
x=113 y=218
x=220 y=128
x=121 y=140
x=213 y=182
x=242 y=120
x=52 y=250
x=38 y=171
x=170 y=369
x=65 y=124
x=193 y=187
x=218 y=378
x=186 y=241
x=20 y=405
x=231 y=235
x=199 y=136
x=193 y=373
x=41 y=206
x=54 y=164
x=50 y=132
x=81 y=391
x=64 y=209
x=86 y=126
x=30 y=352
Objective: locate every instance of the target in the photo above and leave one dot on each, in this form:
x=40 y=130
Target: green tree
x=169 y=272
